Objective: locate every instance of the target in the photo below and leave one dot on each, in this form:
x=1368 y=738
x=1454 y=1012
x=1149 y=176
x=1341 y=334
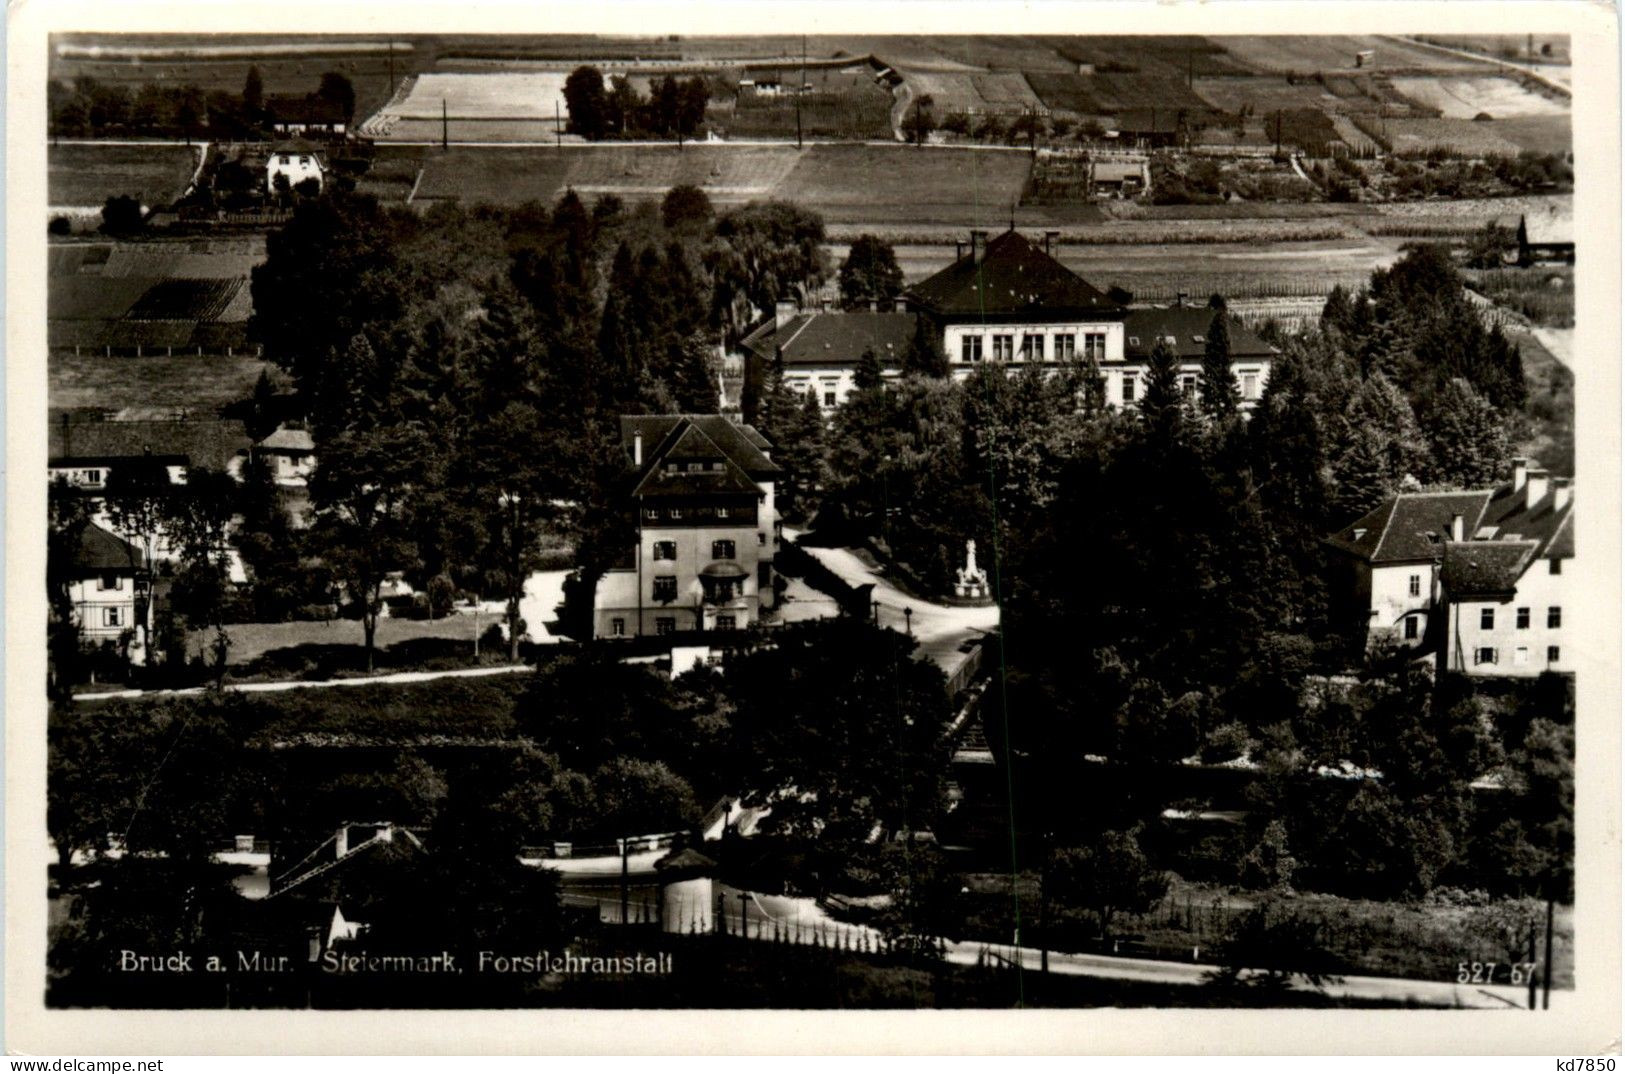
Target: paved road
x=939 y=628
x=317 y=684
x=1534 y=71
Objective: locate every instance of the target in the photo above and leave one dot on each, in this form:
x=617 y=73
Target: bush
x=60 y=225
x=1226 y=742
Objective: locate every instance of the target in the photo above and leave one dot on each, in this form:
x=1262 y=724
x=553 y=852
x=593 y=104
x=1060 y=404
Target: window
x=1094 y=346
x=829 y=398
x=617 y=627
x=1128 y=388
x=1416 y=585
x=764 y=574
x=94 y=477
x=696 y=467
x=1554 y=617
x=970 y=348
x=1004 y=348
x=665 y=550
x=1523 y=618
x=304 y=160
x=726 y=622
x=1484 y=656
x=651 y=513
x=665 y=625
x=676 y=513
x=1066 y=347
x=761 y=539
x=720 y=511
x=1486 y=619
x=1249 y=386
x=1410 y=628
x=1553 y=654
x=1187 y=385
x=665 y=588
x=1520 y=655
x=1032 y=348
x=722 y=550
x=1557 y=566
x=112 y=617
x=107 y=581
x=1133 y=341
x=284 y=158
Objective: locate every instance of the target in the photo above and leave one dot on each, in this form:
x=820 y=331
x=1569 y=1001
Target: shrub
x=1226 y=742
x=60 y=225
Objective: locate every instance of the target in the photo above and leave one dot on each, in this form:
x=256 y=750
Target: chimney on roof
x=1535 y=486
x=1458 y=527
x=637 y=447
x=1179 y=299
x=1520 y=472
x=1052 y=241
x=1562 y=492
x=978 y=246
x=783 y=312
x=959 y=250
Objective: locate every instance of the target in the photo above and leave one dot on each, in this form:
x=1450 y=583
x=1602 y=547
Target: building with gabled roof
x=1473 y=576
x=701 y=489
x=820 y=349
x=109 y=583
x=309 y=114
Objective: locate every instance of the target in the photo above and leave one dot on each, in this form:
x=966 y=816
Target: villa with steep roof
x=701 y=487
x=1476 y=577
x=109 y=582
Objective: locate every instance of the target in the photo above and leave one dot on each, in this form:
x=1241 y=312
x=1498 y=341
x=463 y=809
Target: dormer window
x=1198 y=339
x=1359 y=533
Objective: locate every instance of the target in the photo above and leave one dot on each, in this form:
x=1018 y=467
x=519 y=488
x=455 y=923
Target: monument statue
x=972 y=584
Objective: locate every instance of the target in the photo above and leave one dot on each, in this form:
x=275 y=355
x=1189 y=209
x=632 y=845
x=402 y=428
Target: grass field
x=511 y=176
x=1310 y=54
x=842 y=105
x=970 y=92
x=82 y=174
x=882 y=183
x=199 y=384
x=1458 y=135
x=1464 y=98
x=1102 y=94
x=1537 y=134
x=282 y=73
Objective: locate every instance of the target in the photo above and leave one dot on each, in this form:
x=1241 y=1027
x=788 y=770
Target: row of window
x=720 y=549
x=1520 y=655
x=678 y=514
x=1554 y=618
x=719 y=590
x=1003 y=347
x=666 y=624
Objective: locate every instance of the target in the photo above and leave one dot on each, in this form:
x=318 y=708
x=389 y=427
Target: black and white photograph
x=818 y=521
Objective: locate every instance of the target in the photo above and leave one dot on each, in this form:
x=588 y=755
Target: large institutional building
x=702 y=489
x=1005 y=300
x=1477 y=577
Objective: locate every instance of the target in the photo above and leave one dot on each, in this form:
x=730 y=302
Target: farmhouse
x=305 y=115
x=291 y=455
x=107 y=581
x=1475 y=577
x=86 y=448
x=296 y=161
x=1547 y=234
x=1119 y=178
x=701 y=489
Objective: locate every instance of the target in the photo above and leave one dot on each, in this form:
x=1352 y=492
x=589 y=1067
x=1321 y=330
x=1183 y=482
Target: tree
x=69 y=513
x=768 y=250
x=122 y=215
x=869 y=373
x=337 y=91
x=138 y=506
x=924 y=355
x=685 y=204
x=253 y=94
x=586 y=102
x=1468 y=446
x=1270 y=947
x=692 y=98
x=870 y=273
x=1162 y=407
x=200 y=522
x=1107 y=877
x=1490 y=247
x=921 y=119
x=1221 y=398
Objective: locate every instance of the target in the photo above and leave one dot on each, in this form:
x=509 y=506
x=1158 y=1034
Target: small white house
x=297 y=161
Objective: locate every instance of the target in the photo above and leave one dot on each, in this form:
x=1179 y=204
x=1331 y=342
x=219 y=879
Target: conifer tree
x=924 y=355
x=1162 y=408
x=1221 y=399
x=869 y=373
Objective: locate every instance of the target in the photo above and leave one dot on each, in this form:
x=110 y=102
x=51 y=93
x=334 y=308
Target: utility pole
x=444 y=138
x=625 y=867
x=1531 y=959
x=392 y=67
x=1546 y=977
x=799 y=84
x=558 y=134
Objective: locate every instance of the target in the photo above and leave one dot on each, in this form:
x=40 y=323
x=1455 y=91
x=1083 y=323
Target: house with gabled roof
x=1475 y=577
x=109 y=583
x=701 y=488
x=820 y=349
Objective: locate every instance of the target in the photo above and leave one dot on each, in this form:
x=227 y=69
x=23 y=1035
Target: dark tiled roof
x=1014 y=277
x=199 y=443
x=290 y=109
x=739 y=443
x=835 y=338
x=1512 y=517
x=1485 y=568
x=686 y=444
x=1411 y=526
x=1189 y=326
x=95 y=550
x=292 y=440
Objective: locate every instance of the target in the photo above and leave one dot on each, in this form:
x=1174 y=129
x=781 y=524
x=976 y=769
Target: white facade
x=1521 y=636
x=966 y=345
x=297 y=165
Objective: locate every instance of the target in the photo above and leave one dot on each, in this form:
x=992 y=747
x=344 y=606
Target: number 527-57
x=1487 y=972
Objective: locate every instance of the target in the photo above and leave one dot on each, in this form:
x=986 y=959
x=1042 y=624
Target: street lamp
x=875 y=607
x=908 y=621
